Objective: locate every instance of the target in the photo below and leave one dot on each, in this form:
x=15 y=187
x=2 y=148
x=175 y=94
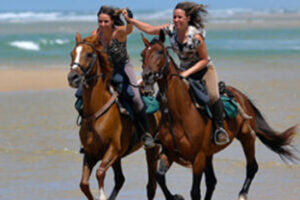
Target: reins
x=163 y=74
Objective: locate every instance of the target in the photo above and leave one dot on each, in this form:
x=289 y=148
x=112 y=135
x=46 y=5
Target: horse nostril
x=72 y=77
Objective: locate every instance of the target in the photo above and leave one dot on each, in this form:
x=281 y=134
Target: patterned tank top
x=117 y=53
x=187 y=52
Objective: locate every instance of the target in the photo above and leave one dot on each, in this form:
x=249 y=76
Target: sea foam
x=27 y=45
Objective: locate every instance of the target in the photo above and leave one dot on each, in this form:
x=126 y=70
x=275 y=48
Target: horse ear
x=146 y=42
x=78 y=38
x=162 y=36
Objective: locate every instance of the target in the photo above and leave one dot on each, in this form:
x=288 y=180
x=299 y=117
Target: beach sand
x=30 y=79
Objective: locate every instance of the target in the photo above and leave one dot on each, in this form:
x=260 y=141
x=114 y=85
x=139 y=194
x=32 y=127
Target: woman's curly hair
x=197 y=12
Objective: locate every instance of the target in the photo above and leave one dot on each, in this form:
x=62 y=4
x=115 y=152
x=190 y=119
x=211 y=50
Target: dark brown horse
x=185 y=133
x=105 y=134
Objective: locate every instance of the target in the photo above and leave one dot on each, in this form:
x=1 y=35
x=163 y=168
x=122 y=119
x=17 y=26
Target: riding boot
x=142 y=125
x=220 y=135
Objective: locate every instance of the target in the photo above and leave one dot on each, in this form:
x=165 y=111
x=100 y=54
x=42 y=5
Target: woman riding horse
x=187 y=37
x=105 y=134
x=185 y=133
x=112 y=35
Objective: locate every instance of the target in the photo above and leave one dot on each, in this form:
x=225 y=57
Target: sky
x=93 y=5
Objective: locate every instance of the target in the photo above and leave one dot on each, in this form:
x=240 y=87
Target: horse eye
x=160 y=52
x=89 y=55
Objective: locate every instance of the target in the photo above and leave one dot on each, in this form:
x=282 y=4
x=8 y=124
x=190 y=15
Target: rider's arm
x=147 y=28
x=123 y=31
x=201 y=64
x=126 y=29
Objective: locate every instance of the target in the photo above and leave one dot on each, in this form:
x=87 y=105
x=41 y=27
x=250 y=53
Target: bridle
x=162 y=74
x=87 y=69
x=162 y=71
x=84 y=79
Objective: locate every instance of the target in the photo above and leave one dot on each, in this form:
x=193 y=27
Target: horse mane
x=103 y=57
x=155 y=40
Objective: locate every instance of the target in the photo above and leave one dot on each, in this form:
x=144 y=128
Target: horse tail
x=280 y=143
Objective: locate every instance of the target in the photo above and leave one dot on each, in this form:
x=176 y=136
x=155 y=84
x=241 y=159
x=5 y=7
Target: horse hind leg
x=164 y=166
x=248 y=143
x=210 y=178
x=88 y=164
x=119 y=179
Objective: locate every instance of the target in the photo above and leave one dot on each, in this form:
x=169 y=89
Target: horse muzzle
x=148 y=80
x=74 y=79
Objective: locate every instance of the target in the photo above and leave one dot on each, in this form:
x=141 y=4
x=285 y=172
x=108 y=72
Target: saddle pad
x=151 y=103
x=230 y=107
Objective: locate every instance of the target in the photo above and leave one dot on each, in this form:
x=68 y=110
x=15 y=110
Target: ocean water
x=45 y=39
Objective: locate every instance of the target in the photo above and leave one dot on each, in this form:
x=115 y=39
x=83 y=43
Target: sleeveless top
x=187 y=52
x=117 y=54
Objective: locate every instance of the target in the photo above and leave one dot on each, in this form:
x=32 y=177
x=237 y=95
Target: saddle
x=125 y=95
x=199 y=94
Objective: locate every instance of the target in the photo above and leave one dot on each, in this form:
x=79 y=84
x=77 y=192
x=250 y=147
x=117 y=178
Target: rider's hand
x=130 y=14
x=184 y=74
x=127 y=14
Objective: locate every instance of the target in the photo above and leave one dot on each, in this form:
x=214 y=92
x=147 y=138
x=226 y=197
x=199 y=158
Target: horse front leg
x=88 y=164
x=151 y=156
x=119 y=179
x=109 y=158
x=164 y=166
x=198 y=168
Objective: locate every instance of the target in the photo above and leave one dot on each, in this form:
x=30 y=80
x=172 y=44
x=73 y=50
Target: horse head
x=85 y=57
x=155 y=61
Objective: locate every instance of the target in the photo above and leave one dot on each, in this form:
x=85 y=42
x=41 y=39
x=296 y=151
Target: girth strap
x=106 y=106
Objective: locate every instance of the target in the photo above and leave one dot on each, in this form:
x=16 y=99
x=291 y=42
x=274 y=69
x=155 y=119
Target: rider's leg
x=141 y=119
x=211 y=79
x=220 y=134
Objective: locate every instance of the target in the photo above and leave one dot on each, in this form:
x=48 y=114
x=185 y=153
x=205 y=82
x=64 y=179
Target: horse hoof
x=178 y=197
x=243 y=197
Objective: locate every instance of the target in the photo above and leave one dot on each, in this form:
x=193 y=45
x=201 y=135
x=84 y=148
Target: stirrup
x=148 y=141
x=226 y=139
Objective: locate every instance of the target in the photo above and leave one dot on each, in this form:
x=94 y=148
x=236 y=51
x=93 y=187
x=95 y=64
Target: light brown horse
x=185 y=133
x=105 y=134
